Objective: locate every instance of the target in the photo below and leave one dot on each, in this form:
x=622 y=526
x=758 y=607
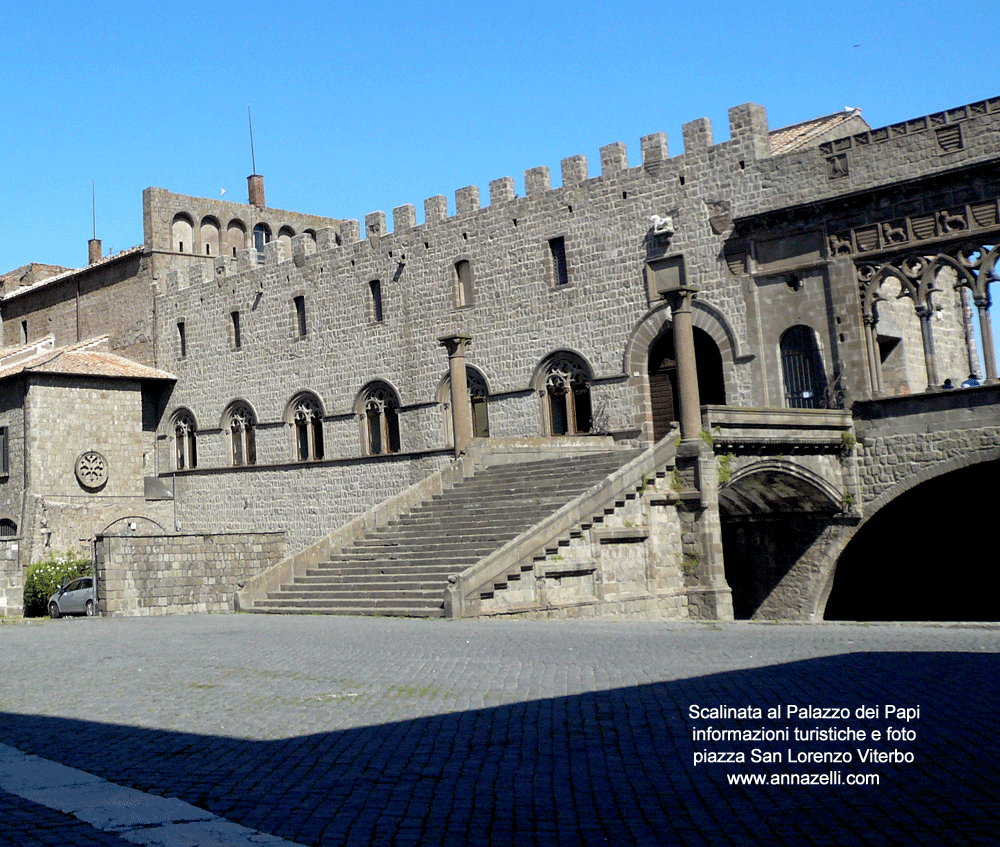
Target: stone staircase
x=402 y=568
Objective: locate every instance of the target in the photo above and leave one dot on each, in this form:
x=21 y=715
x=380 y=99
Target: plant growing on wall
x=44 y=578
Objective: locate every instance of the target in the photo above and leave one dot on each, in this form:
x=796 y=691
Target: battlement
x=773 y=167
x=946 y=126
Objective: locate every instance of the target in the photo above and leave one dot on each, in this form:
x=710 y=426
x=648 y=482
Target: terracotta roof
x=797 y=136
x=82 y=359
x=50 y=280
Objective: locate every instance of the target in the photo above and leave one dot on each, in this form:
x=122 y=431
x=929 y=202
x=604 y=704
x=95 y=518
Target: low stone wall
x=142 y=575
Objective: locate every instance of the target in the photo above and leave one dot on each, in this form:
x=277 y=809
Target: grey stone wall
x=115 y=298
x=903 y=441
x=306 y=501
x=178 y=574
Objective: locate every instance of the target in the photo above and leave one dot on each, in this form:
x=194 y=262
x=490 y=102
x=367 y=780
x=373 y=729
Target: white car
x=78 y=597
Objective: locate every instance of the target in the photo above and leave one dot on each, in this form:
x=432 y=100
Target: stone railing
x=461 y=596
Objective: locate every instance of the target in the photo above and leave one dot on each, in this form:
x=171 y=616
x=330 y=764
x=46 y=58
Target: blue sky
x=366 y=106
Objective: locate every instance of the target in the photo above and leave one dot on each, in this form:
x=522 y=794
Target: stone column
x=986 y=334
x=926 y=313
x=874 y=358
x=687 y=369
x=461 y=407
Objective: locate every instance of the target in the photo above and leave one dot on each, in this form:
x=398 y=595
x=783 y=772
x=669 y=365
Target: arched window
x=802 y=369
x=240 y=424
x=8 y=529
x=182 y=233
x=210 y=236
x=305 y=421
x=185 y=441
x=261 y=236
x=566 y=389
x=479 y=394
x=379 y=419
x=236 y=237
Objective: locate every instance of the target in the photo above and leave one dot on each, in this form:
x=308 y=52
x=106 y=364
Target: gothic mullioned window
x=479 y=396
x=185 y=441
x=240 y=426
x=380 y=419
x=305 y=417
x=567 y=407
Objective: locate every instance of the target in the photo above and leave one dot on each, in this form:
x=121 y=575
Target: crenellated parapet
x=756 y=170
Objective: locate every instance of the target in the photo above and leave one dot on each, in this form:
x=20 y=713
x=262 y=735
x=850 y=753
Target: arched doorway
x=662 y=370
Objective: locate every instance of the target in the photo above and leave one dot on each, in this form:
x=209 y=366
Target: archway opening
x=925 y=556
x=769 y=520
x=662 y=370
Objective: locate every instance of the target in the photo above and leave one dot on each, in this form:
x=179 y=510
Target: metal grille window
x=802 y=369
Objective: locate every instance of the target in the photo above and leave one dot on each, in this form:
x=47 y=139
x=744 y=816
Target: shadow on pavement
x=602 y=767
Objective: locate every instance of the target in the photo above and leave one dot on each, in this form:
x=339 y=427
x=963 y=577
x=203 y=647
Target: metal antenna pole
x=93 y=201
x=253 y=159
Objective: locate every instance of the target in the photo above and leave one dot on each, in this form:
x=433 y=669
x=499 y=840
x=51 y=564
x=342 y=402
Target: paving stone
x=327 y=730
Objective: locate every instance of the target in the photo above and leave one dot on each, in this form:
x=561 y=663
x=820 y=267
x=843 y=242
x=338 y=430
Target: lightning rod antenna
x=253 y=159
x=93 y=203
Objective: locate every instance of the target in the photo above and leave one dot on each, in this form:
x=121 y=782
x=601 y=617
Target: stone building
x=721 y=311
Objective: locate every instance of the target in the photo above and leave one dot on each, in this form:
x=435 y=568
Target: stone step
x=403 y=567
x=264 y=607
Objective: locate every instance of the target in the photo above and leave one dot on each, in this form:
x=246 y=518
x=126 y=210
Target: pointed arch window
x=305 y=418
x=380 y=419
x=185 y=441
x=567 y=395
x=802 y=369
x=240 y=427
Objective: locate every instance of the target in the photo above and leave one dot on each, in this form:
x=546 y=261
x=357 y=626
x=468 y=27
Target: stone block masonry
x=141 y=575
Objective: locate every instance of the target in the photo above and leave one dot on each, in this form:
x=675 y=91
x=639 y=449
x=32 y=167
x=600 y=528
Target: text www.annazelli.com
x=828 y=778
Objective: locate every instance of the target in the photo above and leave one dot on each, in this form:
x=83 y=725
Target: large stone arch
x=772 y=512
x=646 y=333
x=827 y=565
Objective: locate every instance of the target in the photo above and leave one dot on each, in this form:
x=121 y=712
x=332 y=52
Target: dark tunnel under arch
x=930 y=554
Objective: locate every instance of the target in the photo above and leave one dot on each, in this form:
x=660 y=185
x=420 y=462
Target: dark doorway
x=927 y=556
x=662 y=370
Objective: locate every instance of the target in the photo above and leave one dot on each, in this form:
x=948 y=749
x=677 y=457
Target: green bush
x=45 y=577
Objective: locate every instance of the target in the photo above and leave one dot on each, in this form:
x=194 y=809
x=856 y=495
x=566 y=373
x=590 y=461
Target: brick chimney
x=93 y=251
x=255 y=188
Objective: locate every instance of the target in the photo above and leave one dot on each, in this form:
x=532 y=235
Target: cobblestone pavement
x=382 y=731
